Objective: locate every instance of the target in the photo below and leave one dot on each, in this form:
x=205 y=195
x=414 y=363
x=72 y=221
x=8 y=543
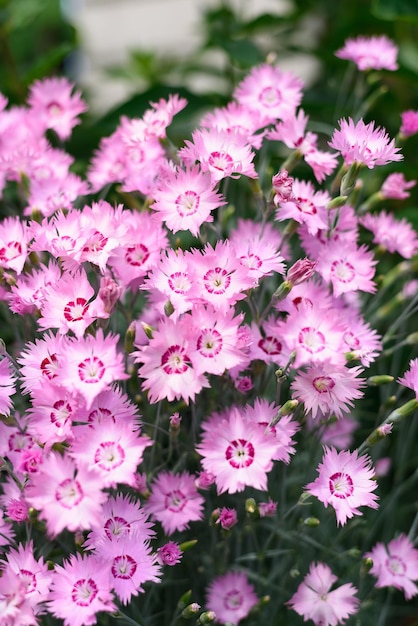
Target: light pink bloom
x=370 y=53
x=409 y=125
x=34 y=572
x=237 y=117
x=267 y=509
x=52 y=413
x=237 y=451
x=395 y=187
x=161 y=115
x=80 y=590
x=410 y=378
x=314 y=599
x=231 y=597
x=175 y=501
x=269 y=90
x=40 y=361
x=306 y=206
x=184 y=199
x=345 y=481
x=55 y=106
x=347 y=267
x=363 y=143
x=7 y=386
x=27 y=295
x=282 y=185
x=221 y=153
x=396 y=565
x=14 y=244
x=257 y=248
x=330 y=389
x=15 y=607
x=394 y=235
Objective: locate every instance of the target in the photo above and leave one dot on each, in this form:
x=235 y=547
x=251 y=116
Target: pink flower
x=54 y=106
x=35 y=572
x=345 y=482
x=330 y=389
x=370 y=53
x=347 y=267
x=231 y=597
x=410 y=378
x=314 y=599
x=363 y=143
x=227 y=518
x=267 y=509
x=269 y=90
x=282 y=185
x=394 y=235
x=169 y=554
x=396 y=565
x=409 y=125
x=80 y=589
x=174 y=501
x=7 y=386
x=237 y=451
x=14 y=244
x=305 y=206
x=395 y=187
x=221 y=153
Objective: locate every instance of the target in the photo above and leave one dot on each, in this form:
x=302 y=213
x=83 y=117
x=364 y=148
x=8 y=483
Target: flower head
x=370 y=53
x=396 y=565
x=314 y=599
x=345 y=482
x=231 y=597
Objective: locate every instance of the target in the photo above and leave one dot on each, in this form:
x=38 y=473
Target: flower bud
x=302 y=270
x=282 y=185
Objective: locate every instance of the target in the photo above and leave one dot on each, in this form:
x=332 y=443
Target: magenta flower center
x=137 y=255
x=179 y=282
x=29 y=578
x=20 y=441
x=396 y=565
x=12 y=250
x=341 y=485
x=116 y=527
x=49 y=366
x=69 y=493
x=175 y=360
x=233 y=600
x=306 y=207
x=84 y=592
x=209 y=342
x=221 y=161
x=124 y=566
x=217 y=280
x=175 y=501
x=96 y=242
x=91 y=370
x=187 y=203
x=100 y=414
x=240 y=453
x=352 y=342
x=252 y=261
x=312 y=340
x=54 y=109
x=75 y=310
x=343 y=271
x=60 y=415
x=270 y=345
x=323 y=384
x=270 y=97
x=109 y=455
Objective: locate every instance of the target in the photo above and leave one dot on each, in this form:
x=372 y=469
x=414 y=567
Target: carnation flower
x=169 y=554
x=395 y=187
x=314 y=599
x=410 y=378
x=345 y=482
x=363 y=143
x=231 y=597
x=409 y=125
x=396 y=565
x=394 y=235
x=370 y=53
x=347 y=267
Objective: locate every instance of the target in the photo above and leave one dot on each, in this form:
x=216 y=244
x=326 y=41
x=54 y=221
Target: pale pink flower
x=184 y=199
x=409 y=125
x=14 y=244
x=80 y=590
x=396 y=565
x=377 y=52
x=267 y=509
x=66 y=496
x=89 y=365
x=257 y=248
x=231 y=597
x=330 y=389
x=61 y=237
x=226 y=518
x=175 y=501
x=34 y=572
x=315 y=600
x=394 y=235
x=269 y=90
x=7 y=386
x=40 y=361
x=15 y=607
x=221 y=153
x=161 y=115
x=282 y=185
x=359 y=338
x=410 y=378
x=338 y=434
x=237 y=117
x=347 y=267
x=345 y=481
x=306 y=206
x=27 y=295
x=238 y=451
x=363 y=143
x=169 y=554
x=396 y=187
x=52 y=413
x=55 y=106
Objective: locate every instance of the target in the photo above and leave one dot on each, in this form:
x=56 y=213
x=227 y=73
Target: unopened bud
x=251 y=506
x=312 y=522
x=191 y=610
x=282 y=185
x=148 y=330
x=301 y=271
x=383 y=379
x=337 y=202
x=207 y=617
x=184 y=600
x=168 y=309
x=130 y=338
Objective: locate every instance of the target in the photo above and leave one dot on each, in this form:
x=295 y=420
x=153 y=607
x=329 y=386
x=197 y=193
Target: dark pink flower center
x=187 y=203
x=91 y=370
x=100 y=414
x=175 y=360
x=306 y=207
x=12 y=250
x=209 y=342
x=20 y=441
x=179 y=282
x=61 y=413
x=217 y=280
x=240 y=453
x=221 y=161
x=75 y=310
x=49 y=366
x=233 y=600
x=84 y=592
x=352 y=342
x=343 y=271
x=396 y=565
x=175 y=501
x=311 y=340
x=252 y=261
x=270 y=345
x=29 y=578
x=323 y=384
x=270 y=97
x=69 y=493
x=137 y=255
x=116 y=526
x=109 y=455
x=341 y=485
x=95 y=242
x=124 y=566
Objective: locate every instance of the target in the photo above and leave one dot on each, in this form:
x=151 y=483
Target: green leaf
x=396 y=9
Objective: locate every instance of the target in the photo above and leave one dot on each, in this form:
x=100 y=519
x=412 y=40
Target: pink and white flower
x=231 y=597
x=396 y=565
x=370 y=53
